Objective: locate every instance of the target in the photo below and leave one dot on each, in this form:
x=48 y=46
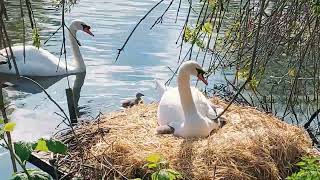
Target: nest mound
x=252 y=145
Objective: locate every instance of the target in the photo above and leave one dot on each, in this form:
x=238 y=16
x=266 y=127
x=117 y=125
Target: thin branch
x=253 y=60
x=178 y=11
x=9 y=144
x=125 y=43
x=9 y=45
x=160 y=19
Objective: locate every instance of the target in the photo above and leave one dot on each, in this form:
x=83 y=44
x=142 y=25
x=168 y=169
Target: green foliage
x=166 y=174
x=232 y=33
x=243 y=73
x=207 y=28
x=315 y=4
x=36 y=37
x=160 y=168
x=254 y=83
x=153 y=161
x=1 y=129
x=41 y=146
x=292 y=72
x=213 y=5
x=57 y=147
x=8 y=127
x=187 y=34
x=193 y=35
x=309 y=169
x=23 y=150
x=35 y=174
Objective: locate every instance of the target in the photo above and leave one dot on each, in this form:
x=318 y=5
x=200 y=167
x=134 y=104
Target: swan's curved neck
x=186 y=99
x=78 y=62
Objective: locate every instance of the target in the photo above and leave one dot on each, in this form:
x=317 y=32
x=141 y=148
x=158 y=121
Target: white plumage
x=185 y=108
x=40 y=62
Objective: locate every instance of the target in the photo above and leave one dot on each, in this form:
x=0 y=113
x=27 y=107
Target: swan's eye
x=200 y=71
x=85 y=26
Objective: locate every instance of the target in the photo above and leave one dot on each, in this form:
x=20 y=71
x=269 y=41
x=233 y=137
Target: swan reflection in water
x=42 y=122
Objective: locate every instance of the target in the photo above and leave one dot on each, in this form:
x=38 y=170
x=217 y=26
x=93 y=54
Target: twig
x=160 y=19
x=64 y=44
x=52 y=35
x=178 y=11
x=9 y=45
x=125 y=43
x=9 y=144
x=23 y=32
x=253 y=59
x=49 y=97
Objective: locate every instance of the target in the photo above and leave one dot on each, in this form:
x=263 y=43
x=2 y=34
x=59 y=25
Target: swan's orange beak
x=87 y=30
x=200 y=77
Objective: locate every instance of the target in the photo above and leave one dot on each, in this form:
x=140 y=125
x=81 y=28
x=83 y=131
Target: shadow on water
x=27 y=86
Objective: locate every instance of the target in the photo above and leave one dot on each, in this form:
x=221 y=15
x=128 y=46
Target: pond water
x=146 y=57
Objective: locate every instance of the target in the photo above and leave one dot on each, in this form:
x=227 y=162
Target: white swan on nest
x=40 y=62
x=184 y=109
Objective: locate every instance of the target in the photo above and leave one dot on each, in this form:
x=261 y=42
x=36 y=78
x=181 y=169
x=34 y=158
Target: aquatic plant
x=309 y=168
x=21 y=152
x=160 y=169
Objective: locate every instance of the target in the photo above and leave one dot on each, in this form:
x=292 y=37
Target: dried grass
x=252 y=145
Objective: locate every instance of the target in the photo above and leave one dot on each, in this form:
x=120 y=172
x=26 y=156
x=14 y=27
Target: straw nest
x=252 y=145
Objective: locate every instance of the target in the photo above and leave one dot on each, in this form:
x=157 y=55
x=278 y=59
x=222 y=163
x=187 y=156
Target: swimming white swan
x=184 y=109
x=40 y=62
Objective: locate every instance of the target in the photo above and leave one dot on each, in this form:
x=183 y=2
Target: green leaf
x=36 y=37
x=42 y=146
x=254 y=83
x=187 y=34
x=152 y=165
x=213 y=5
x=56 y=147
x=8 y=127
x=163 y=175
x=154 y=176
x=166 y=174
x=309 y=169
x=1 y=121
x=23 y=150
x=207 y=27
x=291 y=72
x=174 y=173
x=35 y=174
x=199 y=43
x=154 y=158
x=301 y=163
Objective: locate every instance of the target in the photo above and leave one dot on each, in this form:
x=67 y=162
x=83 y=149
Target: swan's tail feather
x=160 y=88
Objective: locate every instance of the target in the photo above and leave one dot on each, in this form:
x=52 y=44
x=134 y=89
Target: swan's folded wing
x=161 y=88
x=216 y=111
x=202 y=104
